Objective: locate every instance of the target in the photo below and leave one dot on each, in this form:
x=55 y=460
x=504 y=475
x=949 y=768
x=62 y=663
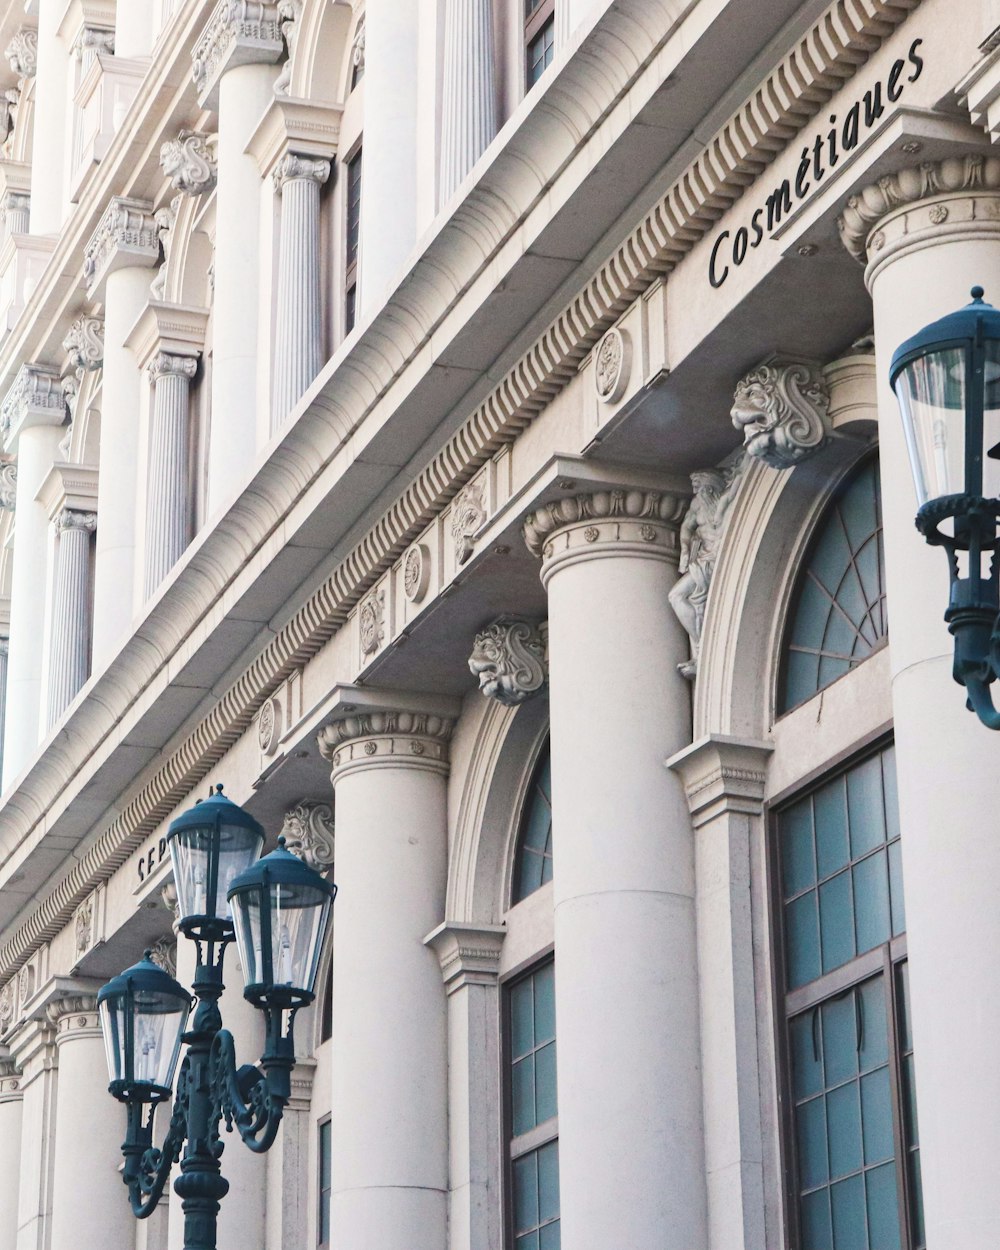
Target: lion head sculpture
x=781 y=408
x=509 y=660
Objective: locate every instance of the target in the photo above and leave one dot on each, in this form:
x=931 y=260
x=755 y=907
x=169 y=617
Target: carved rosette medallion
x=636 y=521
x=612 y=365
x=468 y=512
x=309 y=833
x=376 y=739
x=269 y=726
x=782 y=409
x=416 y=572
x=508 y=657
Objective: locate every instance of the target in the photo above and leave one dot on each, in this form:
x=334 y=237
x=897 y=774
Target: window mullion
x=896 y=1095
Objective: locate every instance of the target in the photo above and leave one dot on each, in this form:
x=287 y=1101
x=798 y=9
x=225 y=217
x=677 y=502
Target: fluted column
x=389 y=1136
x=88 y=1205
x=69 y=654
x=168 y=498
x=927 y=235
x=469 y=89
x=629 y=1083
x=33 y=1050
x=298 y=351
x=11 y=1105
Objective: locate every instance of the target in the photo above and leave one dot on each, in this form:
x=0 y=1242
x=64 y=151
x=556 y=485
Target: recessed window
x=539 y=38
x=533 y=858
x=532 y=1106
x=838 y=614
x=352 y=217
x=853 y=1132
x=323 y=1187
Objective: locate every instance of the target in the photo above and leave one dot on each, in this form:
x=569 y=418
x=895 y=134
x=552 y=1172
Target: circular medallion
x=269 y=726
x=416 y=572
x=612 y=365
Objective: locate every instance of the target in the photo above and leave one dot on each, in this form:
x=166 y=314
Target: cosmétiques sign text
x=844 y=134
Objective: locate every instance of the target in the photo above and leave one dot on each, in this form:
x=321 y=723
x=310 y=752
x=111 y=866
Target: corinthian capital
x=165 y=364
x=190 y=162
x=22 y=52
x=509 y=659
x=127 y=236
x=302 y=168
x=781 y=408
x=71 y=519
x=85 y=343
x=239 y=32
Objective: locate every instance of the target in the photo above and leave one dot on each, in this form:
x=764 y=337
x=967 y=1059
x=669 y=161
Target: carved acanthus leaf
x=467 y=515
x=508 y=657
x=363 y=724
x=37 y=390
x=72 y=519
x=304 y=168
x=128 y=228
x=781 y=408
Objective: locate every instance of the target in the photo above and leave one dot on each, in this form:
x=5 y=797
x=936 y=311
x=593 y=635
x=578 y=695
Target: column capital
x=71 y=519
x=10 y=1080
x=246 y=33
x=191 y=161
x=73 y=1016
x=173 y=329
x=295 y=168
x=469 y=954
x=958 y=197
x=167 y=364
x=309 y=128
x=624 y=522
x=84 y=342
x=36 y=398
x=721 y=774
x=375 y=728
x=127 y=236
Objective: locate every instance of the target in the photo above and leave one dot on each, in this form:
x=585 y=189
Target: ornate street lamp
x=947 y=383
x=282 y=911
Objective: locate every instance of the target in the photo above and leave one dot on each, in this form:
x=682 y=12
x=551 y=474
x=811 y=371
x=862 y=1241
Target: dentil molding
x=782 y=408
x=509 y=658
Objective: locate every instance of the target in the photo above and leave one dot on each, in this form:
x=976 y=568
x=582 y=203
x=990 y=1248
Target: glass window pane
x=864 y=804
x=798 y=868
x=545 y=1083
x=896 y=887
x=891 y=797
x=544 y=982
x=548 y=1182
x=832 y=849
x=802 y=940
x=843 y=1117
x=871 y=901
x=533 y=857
x=526 y=1192
x=883 y=1208
x=873 y=1024
x=814 y=1209
x=548 y=1237
x=917 y=1201
x=529 y=1241
x=810 y=1124
x=849 y=1223
x=801 y=677
x=840 y=1039
x=876 y=1116
x=522 y=1018
x=836 y=921
x=804 y=1043
x=523 y=1094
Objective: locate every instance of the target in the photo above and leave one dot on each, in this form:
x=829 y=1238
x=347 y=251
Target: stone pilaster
x=168 y=502
x=69 y=652
x=11 y=1108
x=32 y=1048
x=298 y=351
x=469 y=89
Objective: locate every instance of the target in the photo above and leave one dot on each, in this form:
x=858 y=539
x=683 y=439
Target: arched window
x=838 y=614
x=533 y=859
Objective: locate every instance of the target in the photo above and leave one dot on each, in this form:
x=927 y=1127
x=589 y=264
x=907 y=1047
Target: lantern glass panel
x=112 y=1017
x=160 y=1020
x=249 y=935
x=298 y=922
x=932 y=396
x=991 y=420
x=191 y=853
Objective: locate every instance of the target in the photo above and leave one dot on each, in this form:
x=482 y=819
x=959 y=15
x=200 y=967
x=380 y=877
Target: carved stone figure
x=701 y=534
x=164 y=219
x=189 y=161
x=309 y=833
x=509 y=659
x=164 y=954
x=289 y=12
x=781 y=408
x=22 y=53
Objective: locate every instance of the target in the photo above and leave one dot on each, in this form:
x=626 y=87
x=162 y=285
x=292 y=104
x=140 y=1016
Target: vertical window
x=539 y=38
x=531 y=1090
x=323 y=1185
x=533 y=859
x=853 y=1137
x=352 y=214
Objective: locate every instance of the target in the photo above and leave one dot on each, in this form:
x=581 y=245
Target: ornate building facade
x=462 y=427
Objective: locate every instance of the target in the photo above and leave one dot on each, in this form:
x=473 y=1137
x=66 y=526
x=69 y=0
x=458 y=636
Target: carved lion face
x=489 y=661
x=756 y=412
x=509 y=660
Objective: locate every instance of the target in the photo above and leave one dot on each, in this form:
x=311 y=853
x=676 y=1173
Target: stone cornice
x=244 y=33
x=828 y=54
x=127 y=235
x=722 y=774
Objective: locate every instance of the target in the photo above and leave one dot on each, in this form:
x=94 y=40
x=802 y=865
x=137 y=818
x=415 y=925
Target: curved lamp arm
x=252 y=1100
x=981 y=702
x=147 y=1167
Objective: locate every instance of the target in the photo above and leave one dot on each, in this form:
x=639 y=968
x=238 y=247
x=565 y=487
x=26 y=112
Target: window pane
x=871 y=901
x=798 y=868
x=548 y=1182
x=840 y=1039
x=533 y=857
x=817 y=1233
x=544 y=982
x=545 y=1083
x=548 y=1238
x=843 y=1123
x=874 y=1029
x=848 y=1201
x=522 y=1018
x=883 y=1208
x=807 y=1068
x=526 y=1192
x=802 y=940
x=896 y=887
x=832 y=849
x=810 y=1121
x=864 y=803
x=836 y=921
x=876 y=1115
x=523 y=1095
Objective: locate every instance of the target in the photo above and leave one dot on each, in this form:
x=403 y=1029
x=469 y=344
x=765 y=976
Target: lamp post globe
x=143 y=1013
x=947 y=383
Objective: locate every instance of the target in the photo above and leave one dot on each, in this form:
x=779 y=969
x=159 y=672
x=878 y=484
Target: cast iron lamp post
x=280 y=912
x=947 y=383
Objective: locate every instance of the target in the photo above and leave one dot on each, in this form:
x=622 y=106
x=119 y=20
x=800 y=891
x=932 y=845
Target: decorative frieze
x=700 y=537
x=36 y=398
x=782 y=407
x=509 y=658
x=309 y=833
x=191 y=162
x=239 y=32
x=8 y=485
x=22 y=52
x=128 y=235
x=84 y=343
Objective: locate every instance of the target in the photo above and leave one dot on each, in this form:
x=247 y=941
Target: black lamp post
x=281 y=909
x=947 y=383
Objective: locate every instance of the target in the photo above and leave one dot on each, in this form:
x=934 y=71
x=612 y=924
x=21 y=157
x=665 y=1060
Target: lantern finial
x=977 y=294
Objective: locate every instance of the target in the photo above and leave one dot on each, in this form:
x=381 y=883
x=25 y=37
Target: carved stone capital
x=239 y=32
x=127 y=236
x=84 y=343
x=633 y=521
x=10 y=1078
x=509 y=659
x=190 y=162
x=293 y=167
x=904 y=209
x=166 y=364
x=71 y=519
x=8 y=486
x=22 y=52
x=468 y=954
x=73 y=1015
x=36 y=398
x=386 y=738
x=722 y=774
x=309 y=833
x=782 y=408
x=94 y=39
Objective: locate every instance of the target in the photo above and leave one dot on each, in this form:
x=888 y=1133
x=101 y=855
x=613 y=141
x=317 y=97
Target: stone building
x=462 y=428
